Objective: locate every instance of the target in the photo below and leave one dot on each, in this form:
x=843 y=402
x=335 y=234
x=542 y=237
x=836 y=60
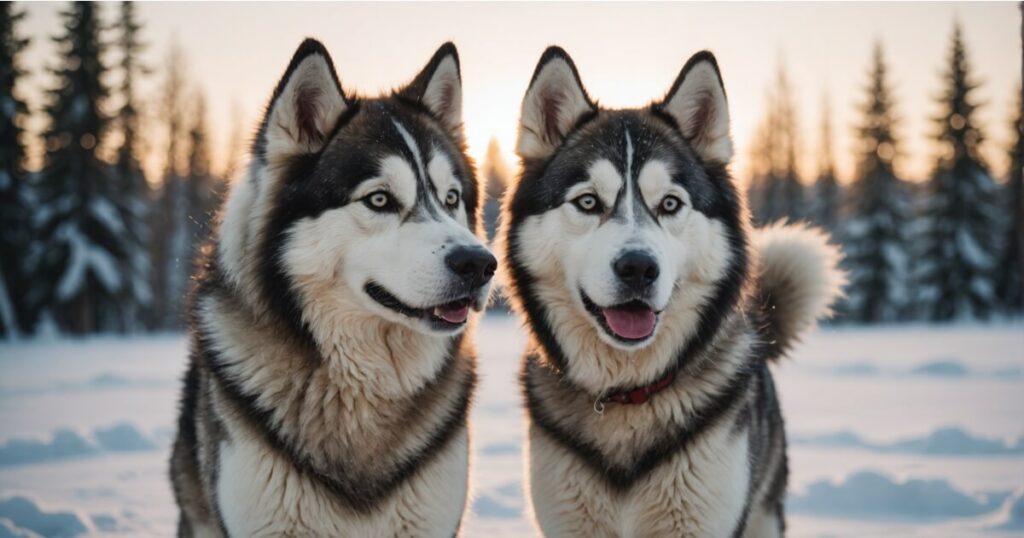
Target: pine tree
x=826 y=194
x=875 y=232
x=170 y=244
x=14 y=199
x=203 y=191
x=1010 y=278
x=496 y=176
x=76 y=257
x=132 y=187
x=14 y=211
x=236 y=145
x=776 y=191
x=496 y=179
x=957 y=265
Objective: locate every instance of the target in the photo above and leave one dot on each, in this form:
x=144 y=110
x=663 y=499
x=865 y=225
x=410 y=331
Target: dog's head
x=360 y=209
x=624 y=229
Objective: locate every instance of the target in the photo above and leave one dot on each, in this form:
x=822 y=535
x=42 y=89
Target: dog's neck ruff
x=640 y=395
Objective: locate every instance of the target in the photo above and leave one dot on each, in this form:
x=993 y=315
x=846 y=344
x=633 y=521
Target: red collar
x=641 y=394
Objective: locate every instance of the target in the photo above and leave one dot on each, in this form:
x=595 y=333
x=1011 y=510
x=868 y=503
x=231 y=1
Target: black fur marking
x=751 y=420
x=425 y=207
x=186 y=441
x=357 y=493
x=187 y=410
x=666 y=445
x=388 y=300
x=777 y=488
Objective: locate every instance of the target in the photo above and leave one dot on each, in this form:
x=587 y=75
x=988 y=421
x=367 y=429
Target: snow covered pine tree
x=957 y=266
x=826 y=193
x=79 y=248
x=776 y=192
x=875 y=234
x=14 y=198
x=132 y=190
x=1010 y=280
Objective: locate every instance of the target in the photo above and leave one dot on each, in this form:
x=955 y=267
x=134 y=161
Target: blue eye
x=587 y=203
x=670 y=205
x=452 y=199
x=380 y=201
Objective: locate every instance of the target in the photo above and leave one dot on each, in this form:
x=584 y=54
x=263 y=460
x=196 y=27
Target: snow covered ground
x=895 y=431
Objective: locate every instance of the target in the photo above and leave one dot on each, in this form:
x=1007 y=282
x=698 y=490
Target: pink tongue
x=452 y=314
x=630 y=324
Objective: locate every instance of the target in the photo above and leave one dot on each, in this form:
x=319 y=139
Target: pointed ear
x=554 y=104
x=699 y=108
x=438 y=87
x=306 y=105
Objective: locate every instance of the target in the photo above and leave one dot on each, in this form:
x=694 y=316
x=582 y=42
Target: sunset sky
x=628 y=54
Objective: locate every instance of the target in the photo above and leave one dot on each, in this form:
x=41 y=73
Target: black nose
x=473 y=264
x=636 y=269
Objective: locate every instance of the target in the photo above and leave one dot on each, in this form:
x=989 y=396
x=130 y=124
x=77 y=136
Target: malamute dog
x=330 y=370
x=653 y=314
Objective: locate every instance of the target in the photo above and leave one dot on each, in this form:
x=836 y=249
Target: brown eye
x=588 y=203
x=452 y=199
x=380 y=201
x=670 y=205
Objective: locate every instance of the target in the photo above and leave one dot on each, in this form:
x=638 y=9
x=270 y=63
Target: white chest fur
x=261 y=494
x=700 y=491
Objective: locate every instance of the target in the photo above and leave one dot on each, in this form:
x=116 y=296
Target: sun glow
x=628 y=54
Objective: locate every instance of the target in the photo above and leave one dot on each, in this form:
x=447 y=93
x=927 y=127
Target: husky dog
x=653 y=313
x=330 y=371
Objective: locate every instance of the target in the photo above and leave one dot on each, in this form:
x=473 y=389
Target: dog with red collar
x=653 y=310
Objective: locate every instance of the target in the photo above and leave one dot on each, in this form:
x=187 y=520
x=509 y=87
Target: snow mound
x=953 y=441
x=938 y=368
x=867 y=494
x=1011 y=516
x=66 y=444
x=486 y=506
x=504 y=502
x=122 y=438
x=9 y=530
x=941 y=368
x=23 y=514
x=947 y=441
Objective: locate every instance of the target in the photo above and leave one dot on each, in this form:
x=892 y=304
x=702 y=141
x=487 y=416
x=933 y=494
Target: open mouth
x=630 y=322
x=446 y=316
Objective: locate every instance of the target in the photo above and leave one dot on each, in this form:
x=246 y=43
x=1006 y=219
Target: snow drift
x=24 y=517
x=66 y=444
x=948 y=441
x=868 y=494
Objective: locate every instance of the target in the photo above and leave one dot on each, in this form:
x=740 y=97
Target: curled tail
x=798 y=280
